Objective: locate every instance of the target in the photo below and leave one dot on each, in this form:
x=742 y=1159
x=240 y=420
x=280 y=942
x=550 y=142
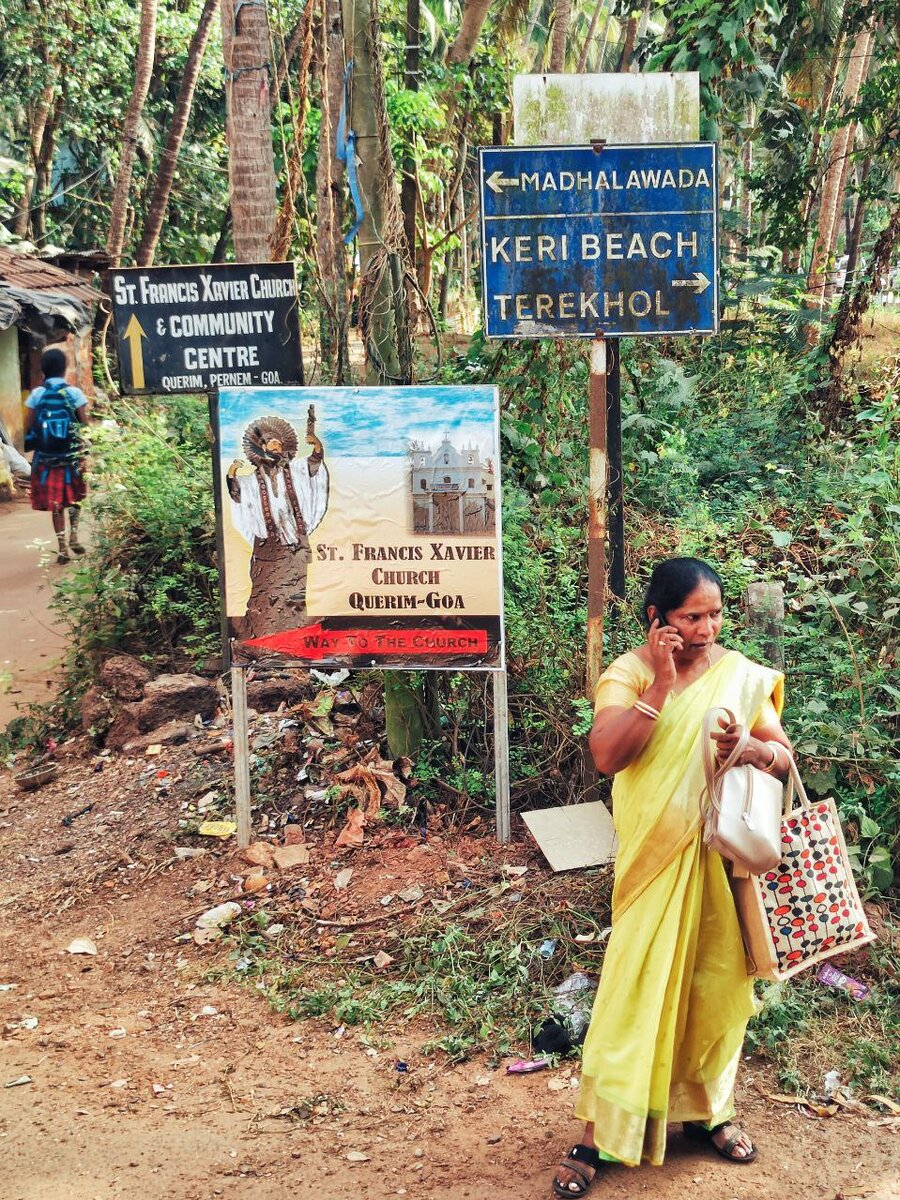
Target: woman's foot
x=577 y=1171
x=727 y=1139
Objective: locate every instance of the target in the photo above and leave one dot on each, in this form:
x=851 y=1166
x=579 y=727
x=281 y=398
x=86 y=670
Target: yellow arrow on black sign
x=133 y=334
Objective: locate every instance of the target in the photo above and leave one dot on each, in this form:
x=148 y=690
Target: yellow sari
x=674 y=997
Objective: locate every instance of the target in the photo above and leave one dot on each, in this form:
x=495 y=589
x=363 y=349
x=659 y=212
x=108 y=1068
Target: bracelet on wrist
x=770 y=767
x=647 y=710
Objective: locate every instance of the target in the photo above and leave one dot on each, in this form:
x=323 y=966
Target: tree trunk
x=628 y=44
x=835 y=177
x=841 y=205
x=43 y=170
x=746 y=208
x=382 y=302
x=589 y=37
x=853 y=307
x=855 y=236
x=165 y=175
x=409 y=188
x=329 y=203
x=291 y=46
x=142 y=73
x=283 y=234
x=221 y=247
x=473 y=17
x=794 y=258
x=251 y=162
x=381 y=232
x=607 y=31
x=560 y=33
x=39 y=120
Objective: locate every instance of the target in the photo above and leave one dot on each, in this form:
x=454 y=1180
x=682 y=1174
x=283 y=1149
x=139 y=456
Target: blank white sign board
x=572 y=110
x=580 y=835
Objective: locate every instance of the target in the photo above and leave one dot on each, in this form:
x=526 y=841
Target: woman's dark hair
x=53 y=363
x=673 y=581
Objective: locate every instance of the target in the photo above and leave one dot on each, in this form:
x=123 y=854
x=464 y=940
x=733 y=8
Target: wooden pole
x=764 y=609
x=501 y=756
x=598 y=477
x=241 y=754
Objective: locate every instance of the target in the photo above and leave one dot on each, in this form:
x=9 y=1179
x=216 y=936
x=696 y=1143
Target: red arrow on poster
x=312 y=642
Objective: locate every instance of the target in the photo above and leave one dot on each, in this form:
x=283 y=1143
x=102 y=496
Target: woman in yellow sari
x=674 y=997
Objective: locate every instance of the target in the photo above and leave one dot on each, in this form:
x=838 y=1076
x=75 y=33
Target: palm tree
x=142 y=73
x=473 y=17
x=330 y=260
x=560 y=32
x=251 y=162
x=165 y=176
x=834 y=184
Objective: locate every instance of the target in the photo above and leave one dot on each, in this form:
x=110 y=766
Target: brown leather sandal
x=699 y=1133
x=578 y=1154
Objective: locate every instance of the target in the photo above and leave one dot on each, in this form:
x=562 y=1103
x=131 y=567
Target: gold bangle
x=774 y=763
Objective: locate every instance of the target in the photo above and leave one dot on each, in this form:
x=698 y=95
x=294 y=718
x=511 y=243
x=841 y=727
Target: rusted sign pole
x=615 y=476
x=598 y=480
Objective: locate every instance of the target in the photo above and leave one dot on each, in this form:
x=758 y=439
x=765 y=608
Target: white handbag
x=741 y=806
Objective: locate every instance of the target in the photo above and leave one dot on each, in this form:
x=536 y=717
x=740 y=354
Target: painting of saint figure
x=275 y=508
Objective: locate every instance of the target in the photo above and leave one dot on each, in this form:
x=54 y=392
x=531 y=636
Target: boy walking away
x=54 y=415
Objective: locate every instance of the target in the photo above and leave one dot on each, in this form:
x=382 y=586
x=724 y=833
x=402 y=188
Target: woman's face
x=698 y=618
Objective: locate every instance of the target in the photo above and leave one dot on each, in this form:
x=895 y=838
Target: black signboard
x=196 y=329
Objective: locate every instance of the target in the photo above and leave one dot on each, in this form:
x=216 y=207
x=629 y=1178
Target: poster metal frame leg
x=501 y=756
x=241 y=755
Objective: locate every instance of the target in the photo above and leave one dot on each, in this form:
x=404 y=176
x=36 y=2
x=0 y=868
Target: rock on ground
x=124 y=676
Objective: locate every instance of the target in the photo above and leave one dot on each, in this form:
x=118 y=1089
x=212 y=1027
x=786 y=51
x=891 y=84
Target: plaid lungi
x=56 y=485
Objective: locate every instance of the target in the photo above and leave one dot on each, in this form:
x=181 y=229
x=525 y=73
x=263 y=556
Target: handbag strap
x=795 y=789
x=711 y=770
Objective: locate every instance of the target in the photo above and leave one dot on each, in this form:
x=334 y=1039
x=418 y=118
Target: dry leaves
x=374 y=784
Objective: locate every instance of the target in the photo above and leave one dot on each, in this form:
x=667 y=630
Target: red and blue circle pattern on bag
x=810 y=901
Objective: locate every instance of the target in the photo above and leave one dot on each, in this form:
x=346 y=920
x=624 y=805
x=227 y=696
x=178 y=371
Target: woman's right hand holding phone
x=663 y=641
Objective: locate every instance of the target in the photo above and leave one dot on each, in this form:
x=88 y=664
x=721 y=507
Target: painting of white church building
x=452 y=490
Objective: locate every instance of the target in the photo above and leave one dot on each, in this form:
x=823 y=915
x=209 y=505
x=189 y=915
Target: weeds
x=471 y=975
x=806 y=1030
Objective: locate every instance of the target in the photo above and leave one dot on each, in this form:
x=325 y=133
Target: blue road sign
x=621 y=238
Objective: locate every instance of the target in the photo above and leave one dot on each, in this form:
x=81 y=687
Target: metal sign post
x=241 y=742
x=501 y=757
x=598 y=467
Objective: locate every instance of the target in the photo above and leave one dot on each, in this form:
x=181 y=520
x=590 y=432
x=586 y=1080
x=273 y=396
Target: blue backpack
x=54 y=433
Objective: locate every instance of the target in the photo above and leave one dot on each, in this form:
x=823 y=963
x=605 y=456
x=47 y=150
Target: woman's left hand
x=756 y=753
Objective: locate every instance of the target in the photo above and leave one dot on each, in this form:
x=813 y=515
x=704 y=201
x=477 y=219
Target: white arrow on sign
x=497 y=181
x=700 y=283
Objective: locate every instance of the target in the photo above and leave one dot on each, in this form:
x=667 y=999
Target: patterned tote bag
x=807 y=908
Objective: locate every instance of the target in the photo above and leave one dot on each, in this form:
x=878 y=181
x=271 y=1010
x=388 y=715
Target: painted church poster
x=361 y=526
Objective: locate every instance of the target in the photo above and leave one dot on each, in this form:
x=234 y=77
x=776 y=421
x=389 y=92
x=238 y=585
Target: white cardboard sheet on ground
x=580 y=835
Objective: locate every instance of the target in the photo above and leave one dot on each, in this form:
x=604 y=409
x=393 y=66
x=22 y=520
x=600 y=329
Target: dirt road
x=30 y=639
x=149 y=1078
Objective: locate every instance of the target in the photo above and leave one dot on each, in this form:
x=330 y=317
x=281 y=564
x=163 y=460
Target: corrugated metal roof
x=33 y=275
